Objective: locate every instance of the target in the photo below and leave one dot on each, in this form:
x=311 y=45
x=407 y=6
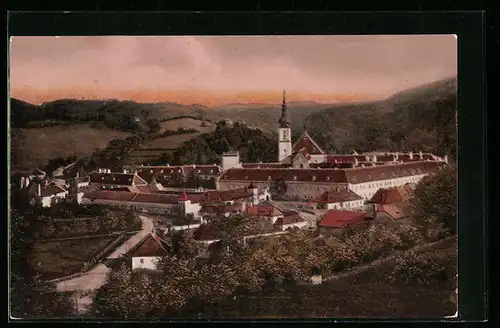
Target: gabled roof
x=392 y=195
x=114 y=178
x=338 y=159
x=305 y=141
x=263 y=210
x=396 y=211
x=151 y=245
x=329 y=175
x=52 y=189
x=339 y=219
x=337 y=196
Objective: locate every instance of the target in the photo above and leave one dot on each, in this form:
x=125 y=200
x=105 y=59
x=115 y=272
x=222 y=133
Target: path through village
x=96 y=277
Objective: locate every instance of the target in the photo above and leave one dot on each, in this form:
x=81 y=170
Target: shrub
x=418 y=269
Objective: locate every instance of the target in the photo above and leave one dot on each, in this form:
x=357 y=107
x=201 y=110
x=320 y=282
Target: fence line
x=87 y=267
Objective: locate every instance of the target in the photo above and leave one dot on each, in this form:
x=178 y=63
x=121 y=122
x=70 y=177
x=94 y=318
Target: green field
x=153 y=149
x=34 y=147
x=62 y=258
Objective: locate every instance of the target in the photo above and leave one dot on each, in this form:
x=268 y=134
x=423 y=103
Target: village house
x=290 y=220
x=391 y=204
x=334 y=221
x=344 y=199
x=147 y=253
x=45 y=193
x=267 y=211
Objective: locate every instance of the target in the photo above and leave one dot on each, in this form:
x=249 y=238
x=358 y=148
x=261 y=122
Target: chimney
x=77 y=175
x=445 y=159
x=337 y=189
x=356 y=162
x=396 y=156
x=125 y=171
x=374 y=158
x=39 y=190
x=421 y=155
x=410 y=154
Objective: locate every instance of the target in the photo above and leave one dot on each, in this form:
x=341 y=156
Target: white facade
x=230 y=160
x=284 y=144
x=349 y=205
x=52 y=199
x=145 y=262
x=297 y=225
x=368 y=189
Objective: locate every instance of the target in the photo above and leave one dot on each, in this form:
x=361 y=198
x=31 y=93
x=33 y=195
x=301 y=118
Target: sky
x=216 y=70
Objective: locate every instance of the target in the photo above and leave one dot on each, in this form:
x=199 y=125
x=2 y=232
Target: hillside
x=36 y=146
x=376 y=292
x=121 y=114
x=153 y=149
x=421 y=118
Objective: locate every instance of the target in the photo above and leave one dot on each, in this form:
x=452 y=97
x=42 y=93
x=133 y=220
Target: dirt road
x=96 y=277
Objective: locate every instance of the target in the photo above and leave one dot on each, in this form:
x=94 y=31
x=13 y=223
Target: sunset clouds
x=217 y=70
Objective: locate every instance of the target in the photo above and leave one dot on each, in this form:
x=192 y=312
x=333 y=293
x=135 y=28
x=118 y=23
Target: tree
x=184 y=246
x=30 y=297
x=434 y=204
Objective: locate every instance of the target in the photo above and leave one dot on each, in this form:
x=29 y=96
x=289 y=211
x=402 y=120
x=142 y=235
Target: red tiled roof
x=216 y=196
x=391 y=171
x=264 y=210
x=339 y=219
x=396 y=210
x=336 y=196
x=392 y=195
x=386 y=158
x=124 y=196
x=265 y=165
x=291 y=174
x=184 y=196
x=152 y=245
x=156 y=198
x=304 y=153
x=306 y=142
x=337 y=159
x=114 y=178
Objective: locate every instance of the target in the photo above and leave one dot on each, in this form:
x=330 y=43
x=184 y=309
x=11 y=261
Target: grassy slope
x=34 y=147
x=156 y=147
x=62 y=258
x=367 y=293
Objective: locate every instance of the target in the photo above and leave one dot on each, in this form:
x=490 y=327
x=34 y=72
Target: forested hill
x=121 y=115
x=421 y=118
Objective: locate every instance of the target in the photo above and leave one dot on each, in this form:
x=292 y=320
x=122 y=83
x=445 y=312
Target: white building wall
x=145 y=262
x=351 y=205
x=318 y=158
x=298 y=225
x=230 y=161
x=368 y=189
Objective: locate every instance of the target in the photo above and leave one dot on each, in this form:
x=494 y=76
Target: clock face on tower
x=284 y=135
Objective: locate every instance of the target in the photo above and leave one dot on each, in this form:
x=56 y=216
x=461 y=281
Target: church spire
x=284 y=120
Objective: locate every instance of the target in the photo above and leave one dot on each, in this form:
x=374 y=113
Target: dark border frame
x=468 y=26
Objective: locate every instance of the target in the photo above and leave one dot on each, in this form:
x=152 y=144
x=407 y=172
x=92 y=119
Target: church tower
x=284 y=133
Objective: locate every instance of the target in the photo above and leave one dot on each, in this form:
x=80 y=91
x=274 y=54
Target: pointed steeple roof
x=184 y=197
x=284 y=120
